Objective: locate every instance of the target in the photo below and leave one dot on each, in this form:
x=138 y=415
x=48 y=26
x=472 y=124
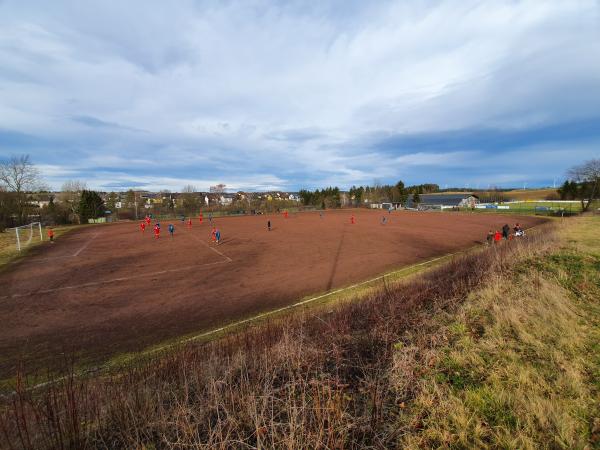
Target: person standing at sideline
x=505 y=231
x=497 y=237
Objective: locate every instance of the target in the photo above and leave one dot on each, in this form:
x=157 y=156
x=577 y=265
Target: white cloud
x=288 y=91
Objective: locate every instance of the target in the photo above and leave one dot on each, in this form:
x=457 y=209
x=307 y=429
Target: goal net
x=25 y=234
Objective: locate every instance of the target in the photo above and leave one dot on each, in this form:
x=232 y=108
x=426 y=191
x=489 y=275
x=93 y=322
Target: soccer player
x=214 y=234
x=352 y=221
x=51 y=235
x=147 y=220
x=285 y=214
x=171 y=229
x=218 y=236
x=157 y=231
x=490 y=237
x=269 y=225
x=189 y=225
x=143 y=227
x=383 y=220
x=200 y=218
x=210 y=217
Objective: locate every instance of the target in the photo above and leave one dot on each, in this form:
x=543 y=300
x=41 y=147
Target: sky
x=273 y=95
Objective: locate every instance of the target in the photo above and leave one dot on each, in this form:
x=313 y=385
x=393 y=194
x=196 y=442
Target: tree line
x=22 y=190
x=583 y=184
x=331 y=197
x=21 y=184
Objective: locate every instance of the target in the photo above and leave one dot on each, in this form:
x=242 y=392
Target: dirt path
x=111 y=289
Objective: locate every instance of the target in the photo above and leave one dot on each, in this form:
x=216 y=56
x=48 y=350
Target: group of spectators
x=495 y=237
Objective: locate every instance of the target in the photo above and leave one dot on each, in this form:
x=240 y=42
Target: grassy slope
x=531 y=194
x=520 y=367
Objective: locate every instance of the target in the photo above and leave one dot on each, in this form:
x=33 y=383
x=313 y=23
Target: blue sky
x=288 y=95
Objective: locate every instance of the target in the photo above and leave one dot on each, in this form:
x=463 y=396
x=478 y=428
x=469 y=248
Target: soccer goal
x=26 y=233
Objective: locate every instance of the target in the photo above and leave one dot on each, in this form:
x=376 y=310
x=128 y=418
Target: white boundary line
x=256 y=317
x=74 y=255
x=119 y=279
x=212 y=248
x=112 y=280
x=85 y=245
x=293 y=305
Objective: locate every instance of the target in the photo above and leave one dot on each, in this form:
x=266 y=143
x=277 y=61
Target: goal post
x=26 y=233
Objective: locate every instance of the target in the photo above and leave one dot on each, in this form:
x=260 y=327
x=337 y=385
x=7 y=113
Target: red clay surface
x=110 y=289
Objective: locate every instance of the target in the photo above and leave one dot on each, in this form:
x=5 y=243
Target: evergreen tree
x=91 y=206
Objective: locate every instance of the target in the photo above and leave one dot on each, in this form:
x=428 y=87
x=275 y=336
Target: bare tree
x=588 y=177
x=19 y=176
x=71 y=196
x=191 y=202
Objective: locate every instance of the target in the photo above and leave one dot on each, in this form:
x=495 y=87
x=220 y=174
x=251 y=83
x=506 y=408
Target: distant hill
x=533 y=194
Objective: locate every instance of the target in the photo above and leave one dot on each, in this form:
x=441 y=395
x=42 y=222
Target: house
x=226 y=199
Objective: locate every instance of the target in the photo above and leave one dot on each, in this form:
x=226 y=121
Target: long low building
x=445 y=201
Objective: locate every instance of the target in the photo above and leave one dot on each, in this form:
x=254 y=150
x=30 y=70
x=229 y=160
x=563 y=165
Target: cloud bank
x=287 y=95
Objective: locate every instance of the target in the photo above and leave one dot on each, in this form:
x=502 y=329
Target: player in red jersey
x=157 y=231
x=285 y=214
x=148 y=220
x=143 y=227
x=214 y=234
x=189 y=224
x=200 y=218
x=352 y=221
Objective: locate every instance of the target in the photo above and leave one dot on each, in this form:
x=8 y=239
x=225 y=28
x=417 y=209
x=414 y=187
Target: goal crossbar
x=24 y=234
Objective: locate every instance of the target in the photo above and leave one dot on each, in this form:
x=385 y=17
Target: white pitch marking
x=85 y=245
x=50 y=258
x=212 y=248
x=112 y=280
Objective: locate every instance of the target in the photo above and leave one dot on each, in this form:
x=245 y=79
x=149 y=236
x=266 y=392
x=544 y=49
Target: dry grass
x=491 y=349
x=522 y=361
x=8 y=243
x=532 y=194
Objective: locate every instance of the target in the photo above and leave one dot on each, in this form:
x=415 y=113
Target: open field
x=495 y=348
x=105 y=290
x=532 y=194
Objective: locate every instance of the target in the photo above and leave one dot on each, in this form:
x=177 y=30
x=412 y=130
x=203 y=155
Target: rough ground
x=110 y=289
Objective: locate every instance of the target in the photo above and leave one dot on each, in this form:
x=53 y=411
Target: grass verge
x=8 y=243
x=519 y=366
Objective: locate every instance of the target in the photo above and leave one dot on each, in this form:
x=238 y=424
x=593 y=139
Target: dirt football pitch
x=110 y=289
